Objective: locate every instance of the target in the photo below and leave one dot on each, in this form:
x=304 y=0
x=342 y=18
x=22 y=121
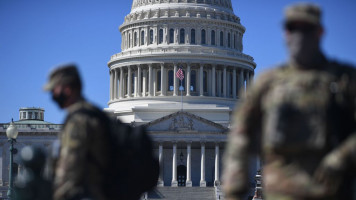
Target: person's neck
x=73 y=100
x=315 y=61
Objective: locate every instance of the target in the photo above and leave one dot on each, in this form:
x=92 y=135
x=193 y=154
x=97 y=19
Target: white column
x=160 y=182
x=174 y=166
x=188 y=79
x=150 y=81
x=175 y=80
x=121 y=86
x=129 y=81
x=163 y=91
x=234 y=83
x=219 y=83
x=201 y=82
x=202 y=166
x=154 y=78
x=217 y=181
x=208 y=77
x=189 y=166
x=115 y=84
x=139 y=89
x=224 y=83
x=213 y=82
x=111 y=84
x=144 y=82
x=135 y=86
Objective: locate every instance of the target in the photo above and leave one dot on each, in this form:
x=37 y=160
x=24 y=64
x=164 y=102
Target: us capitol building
x=188 y=119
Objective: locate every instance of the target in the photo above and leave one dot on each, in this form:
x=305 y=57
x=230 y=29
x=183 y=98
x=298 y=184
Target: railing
x=183 y=50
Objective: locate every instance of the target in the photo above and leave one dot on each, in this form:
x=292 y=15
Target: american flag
x=180 y=74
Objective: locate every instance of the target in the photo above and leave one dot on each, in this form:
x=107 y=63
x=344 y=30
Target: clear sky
x=36 y=35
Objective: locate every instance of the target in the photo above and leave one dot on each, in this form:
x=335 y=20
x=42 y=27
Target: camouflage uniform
x=303 y=123
x=300 y=120
x=84 y=155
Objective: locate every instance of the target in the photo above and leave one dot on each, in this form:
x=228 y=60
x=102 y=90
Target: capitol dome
x=203 y=38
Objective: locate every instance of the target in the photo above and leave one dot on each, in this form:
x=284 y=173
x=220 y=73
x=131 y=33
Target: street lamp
x=11 y=133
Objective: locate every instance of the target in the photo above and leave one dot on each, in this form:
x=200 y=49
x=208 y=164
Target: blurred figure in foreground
x=301 y=118
x=31 y=184
x=85 y=154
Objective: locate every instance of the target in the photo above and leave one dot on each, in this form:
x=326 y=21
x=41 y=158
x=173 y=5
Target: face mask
x=303 y=48
x=60 y=99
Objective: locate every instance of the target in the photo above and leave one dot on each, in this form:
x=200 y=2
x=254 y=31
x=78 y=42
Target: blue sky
x=39 y=34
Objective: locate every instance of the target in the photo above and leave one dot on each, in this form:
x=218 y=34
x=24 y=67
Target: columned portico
x=139 y=81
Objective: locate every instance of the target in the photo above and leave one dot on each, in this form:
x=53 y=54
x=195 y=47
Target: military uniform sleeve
x=70 y=167
x=243 y=140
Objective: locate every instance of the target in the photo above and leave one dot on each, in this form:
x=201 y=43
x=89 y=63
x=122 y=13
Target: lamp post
x=11 y=133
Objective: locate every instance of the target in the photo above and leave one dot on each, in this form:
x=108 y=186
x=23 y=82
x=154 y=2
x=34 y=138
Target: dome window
x=182 y=38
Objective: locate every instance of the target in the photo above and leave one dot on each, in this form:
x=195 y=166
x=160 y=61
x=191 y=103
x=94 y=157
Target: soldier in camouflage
x=301 y=118
x=84 y=153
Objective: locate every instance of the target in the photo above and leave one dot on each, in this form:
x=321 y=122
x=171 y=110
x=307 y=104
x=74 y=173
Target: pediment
x=184 y=122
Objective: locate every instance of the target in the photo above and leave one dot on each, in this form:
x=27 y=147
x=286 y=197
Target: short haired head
x=66 y=75
x=303 y=12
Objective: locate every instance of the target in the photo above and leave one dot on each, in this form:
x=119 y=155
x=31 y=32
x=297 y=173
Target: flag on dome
x=180 y=73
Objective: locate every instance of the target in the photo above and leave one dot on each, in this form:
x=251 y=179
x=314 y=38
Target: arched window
x=203 y=37
x=171 y=35
x=192 y=36
x=135 y=38
x=193 y=78
x=142 y=37
x=212 y=37
x=151 y=36
x=160 y=36
x=221 y=38
x=181 y=36
x=229 y=40
x=170 y=80
x=205 y=81
x=234 y=41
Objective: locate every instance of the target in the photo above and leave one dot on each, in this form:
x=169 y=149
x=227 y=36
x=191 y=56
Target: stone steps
x=182 y=193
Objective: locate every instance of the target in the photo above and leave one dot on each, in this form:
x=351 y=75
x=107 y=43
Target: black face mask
x=304 y=48
x=60 y=99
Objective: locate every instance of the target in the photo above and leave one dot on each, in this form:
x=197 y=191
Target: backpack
x=137 y=169
x=134 y=169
